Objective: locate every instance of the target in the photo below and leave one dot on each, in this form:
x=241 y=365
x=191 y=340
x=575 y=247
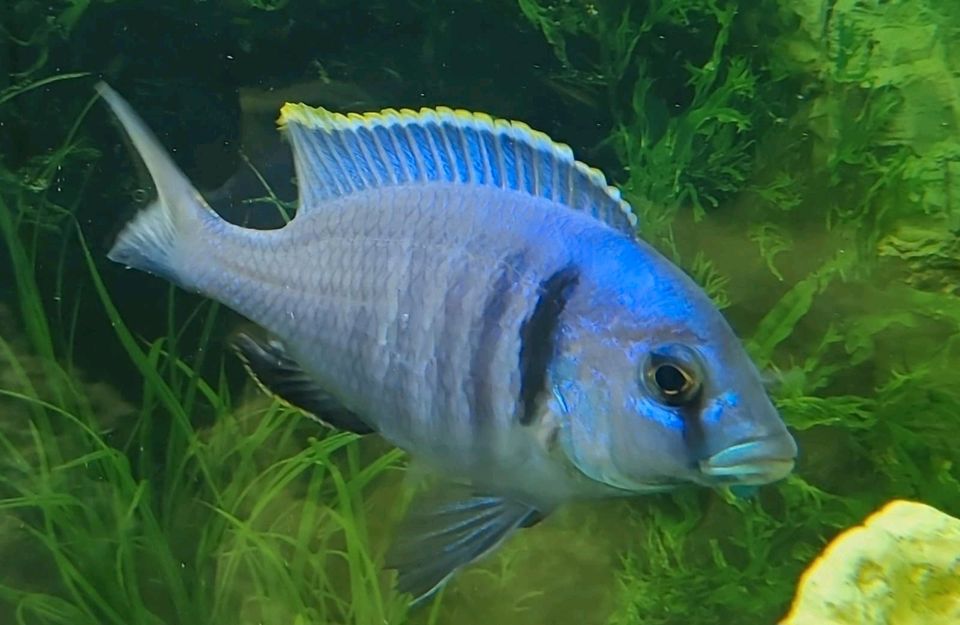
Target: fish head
x=654 y=390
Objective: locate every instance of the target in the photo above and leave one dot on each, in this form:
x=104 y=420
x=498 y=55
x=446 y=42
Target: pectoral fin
x=277 y=374
x=447 y=530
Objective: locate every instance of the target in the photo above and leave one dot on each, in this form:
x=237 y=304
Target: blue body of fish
x=465 y=288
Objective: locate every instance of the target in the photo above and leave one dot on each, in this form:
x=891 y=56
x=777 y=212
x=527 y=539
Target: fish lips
x=751 y=462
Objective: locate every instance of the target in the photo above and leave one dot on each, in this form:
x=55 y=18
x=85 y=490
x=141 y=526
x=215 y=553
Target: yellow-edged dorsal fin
x=337 y=155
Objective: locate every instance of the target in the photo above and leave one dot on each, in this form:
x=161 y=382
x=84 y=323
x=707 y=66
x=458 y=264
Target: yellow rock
x=901 y=567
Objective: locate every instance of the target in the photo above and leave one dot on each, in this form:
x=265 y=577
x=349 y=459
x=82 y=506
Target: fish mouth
x=752 y=462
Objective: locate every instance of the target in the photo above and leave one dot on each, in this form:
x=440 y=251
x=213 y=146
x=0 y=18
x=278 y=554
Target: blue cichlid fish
x=466 y=289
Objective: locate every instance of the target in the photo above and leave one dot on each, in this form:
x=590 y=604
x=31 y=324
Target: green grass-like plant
x=150 y=517
x=800 y=163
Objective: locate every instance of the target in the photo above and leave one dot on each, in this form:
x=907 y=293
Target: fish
x=466 y=289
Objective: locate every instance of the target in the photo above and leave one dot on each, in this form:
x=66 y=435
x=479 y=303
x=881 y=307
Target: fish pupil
x=671 y=380
x=672 y=373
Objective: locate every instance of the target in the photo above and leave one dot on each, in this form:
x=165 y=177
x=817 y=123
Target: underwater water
x=800 y=159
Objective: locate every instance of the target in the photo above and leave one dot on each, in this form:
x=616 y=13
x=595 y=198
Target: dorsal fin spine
x=479 y=154
x=377 y=158
x=424 y=151
x=458 y=154
x=555 y=168
x=468 y=175
x=439 y=144
x=496 y=159
x=441 y=163
x=361 y=166
x=418 y=153
x=542 y=183
x=525 y=163
x=482 y=120
x=412 y=169
x=347 y=163
x=366 y=165
x=324 y=156
x=405 y=150
x=336 y=166
x=475 y=162
x=389 y=150
x=509 y=155
x=560 y=180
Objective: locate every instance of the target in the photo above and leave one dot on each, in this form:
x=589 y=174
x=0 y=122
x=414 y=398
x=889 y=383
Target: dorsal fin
x=337 y=155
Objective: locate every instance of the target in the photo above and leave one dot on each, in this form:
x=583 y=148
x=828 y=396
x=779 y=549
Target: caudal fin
x=161 y=238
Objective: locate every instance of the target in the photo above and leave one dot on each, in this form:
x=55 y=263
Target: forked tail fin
x=161 y=238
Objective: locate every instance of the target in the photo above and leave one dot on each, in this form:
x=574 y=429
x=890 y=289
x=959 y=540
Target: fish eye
x=673 y=374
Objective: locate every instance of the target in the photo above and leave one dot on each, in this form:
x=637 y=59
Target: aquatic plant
x=800 y=162
x=116 y=514
x=682 y=97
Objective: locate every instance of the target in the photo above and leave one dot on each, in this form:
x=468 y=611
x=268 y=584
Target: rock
x=901 y=567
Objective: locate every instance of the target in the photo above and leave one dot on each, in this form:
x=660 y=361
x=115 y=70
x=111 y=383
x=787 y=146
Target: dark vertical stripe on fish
x=488 y=338
x=538 y=338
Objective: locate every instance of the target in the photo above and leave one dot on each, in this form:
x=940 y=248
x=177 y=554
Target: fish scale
x=344 y=300
x=345 y=297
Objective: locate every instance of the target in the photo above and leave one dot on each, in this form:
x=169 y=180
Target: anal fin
x=277 y=374
x=448 y=529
